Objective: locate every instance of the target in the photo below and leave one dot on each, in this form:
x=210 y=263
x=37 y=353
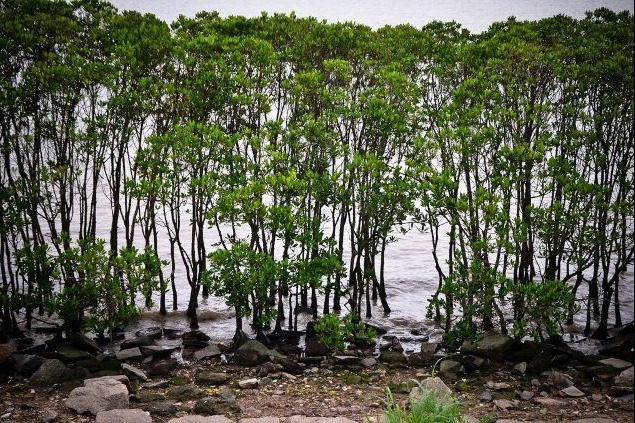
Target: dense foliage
x=261 y=153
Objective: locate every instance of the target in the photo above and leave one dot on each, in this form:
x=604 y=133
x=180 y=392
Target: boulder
x=216 y=405
x=208 y=378
x=98 y=395
x=393 y=357
x=53 y=371
x=133 y=415
x=27 y=364
x=201 y=419
x=495 y=346
x=313 y=347
x=209 y=351
x=129 y=354
x=625 y=378
x=260 y=348
x=134 y=373
x=450 y=367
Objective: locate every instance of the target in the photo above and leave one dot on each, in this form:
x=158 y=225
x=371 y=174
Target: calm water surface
x=410 y=273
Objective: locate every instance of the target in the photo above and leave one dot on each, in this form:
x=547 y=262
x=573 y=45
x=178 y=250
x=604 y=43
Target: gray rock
x=573 y=392
x=5 y=352
x=526 y=395
x=209 y=378
x=120 y=378
x=134 y=373
x=216 y=405
x=68 y=353
x=261 y=349
x=129 y=354
x=52 y=371
x=520 y=368
x=201 y=419
x=161 y=408
x=48 y=416
x=157 y=351
x=625 y=378
x=83 y=342
x=393 y=357
x=505 y=404
x=369 y=362
x=209 y=351
x=617 y=363
x=486 y=396
x=97 y=395
x=304 y=419
x=27 y=364
x=429 y=384
x=141 y=341
x=133 y=415
x=248 y=383
x=494 y=346
x=188 y=391
x=450 y=366
x=559 y=380
x=268 y=368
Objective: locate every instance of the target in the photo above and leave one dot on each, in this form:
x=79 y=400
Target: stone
x=486 y=396
x=160 y=408
x=120 y=378
x=618 y=348
x=313 y=347
x=526 y=395
x=51 y=372
x=432 y=383
x=260 y=348
x=369 y=362
x=209 y=351
x=573 y=392
x=141 y=341
x=450 y=367
x=520 y=368
x=129 y=354
x=183 y=392
x=471 y=362
x=83 y=342
x=540 y=363
x=6 y=350
x=209 y=378
x=216 y=405
x=616 y=362
x=134 y=373
x=625 y=378
x=549 y=402
x=98 y=395
x=248 y=358
x=68 y=353
x=495 y=346
x=393 y=357
x=505 y=404
x=346 y=359
x=304 y=419
x=133 y=415
x=27 y=364
x=162 y=367
x=157 y=351
x=268 y=368
x=289 y=366
x=201 y=419
x=48 y=416
x=248 y=383
x=559 y=380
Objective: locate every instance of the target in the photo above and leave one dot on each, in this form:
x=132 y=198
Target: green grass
x=432 y=406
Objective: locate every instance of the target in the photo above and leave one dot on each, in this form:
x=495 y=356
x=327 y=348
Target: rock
x=494 y=346
x=540 y=363
x=120 y=378
x=133 y=415
x=393 y=357
x=268 y=368
x=433 y=383
x=616 y=362
x=504 y=404
x=142 y=341
x=98 y=395
x=419 y=359
x=313 y=347
x=209 y=378
x=549 y=402
x=260 y=348
x=486 y=396
x=216 y=405
x=471 y=362
x=83 y=342
x=520 y=368
x=289 y=365
x=162 y=367
x=572 y=391
x=625 y=378
x=248 y=383
x=393 y=344
x=593 y=420
x=498 y=386
x=260 y=420
x=157 y=351
x=68 y=353
x=201 y=419
x=48 y=416
x=183 y=392
x=526 y=395
x=6 y=350
x=154 y=332
x=134 y=373
x=27 y=364
x=196 y=339
x=346 y=359
x=304 y=419
x=559 y=380
x=450 y=367
x=618 y=348
x=369 y=362
x=209 y=351
x=129 y=354
x=161 y=408
x=248 y=358
x=53 y=371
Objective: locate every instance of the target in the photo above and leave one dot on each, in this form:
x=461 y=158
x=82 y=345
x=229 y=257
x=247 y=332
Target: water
x=410 y=273
x=475 y=15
